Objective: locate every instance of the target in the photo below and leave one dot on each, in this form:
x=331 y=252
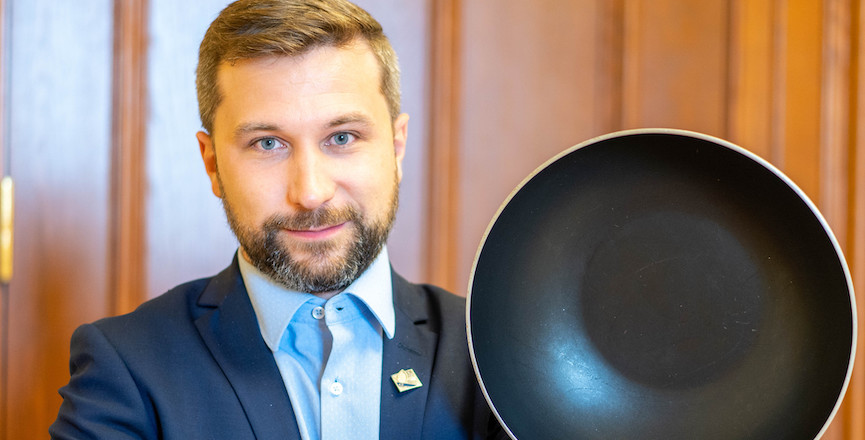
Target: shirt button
x=336 y=388
x=318 y=312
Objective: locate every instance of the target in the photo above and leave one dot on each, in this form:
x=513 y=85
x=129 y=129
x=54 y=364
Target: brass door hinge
x=7 y=209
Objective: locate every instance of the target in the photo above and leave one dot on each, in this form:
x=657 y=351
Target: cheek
x=355 y=186
x=379 y=185
x=253 y=195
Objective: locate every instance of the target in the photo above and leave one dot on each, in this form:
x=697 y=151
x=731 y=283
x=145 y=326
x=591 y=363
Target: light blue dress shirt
x=329 y=353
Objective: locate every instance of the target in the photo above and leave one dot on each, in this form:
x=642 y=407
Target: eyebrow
x=253 y=127
x=348 y=118
x=351 y=118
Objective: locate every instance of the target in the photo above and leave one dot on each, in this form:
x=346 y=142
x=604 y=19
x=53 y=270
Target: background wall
x=98 y=115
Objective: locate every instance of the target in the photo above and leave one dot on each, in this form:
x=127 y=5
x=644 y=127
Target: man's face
x=307 y=162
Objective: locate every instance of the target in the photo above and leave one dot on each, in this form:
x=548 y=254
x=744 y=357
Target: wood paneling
x=128 y=166
x=751 y=75
x=799 y=125
x=186 y=234
x=609 y=68
x=853 y=411
x=59 y=138
x=835 y=117
x=527 y=82
x=854 y=404
x=4 y=288
x=852 y=415
x=443 y=195
x=675 y=62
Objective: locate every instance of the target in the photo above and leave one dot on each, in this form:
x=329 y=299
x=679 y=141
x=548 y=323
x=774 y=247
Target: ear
x=208 y=155
x=400 y=135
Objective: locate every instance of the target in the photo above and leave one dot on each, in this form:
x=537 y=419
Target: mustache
x=323 y=216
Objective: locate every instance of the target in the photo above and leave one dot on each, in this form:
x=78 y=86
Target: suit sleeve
x=102 y=400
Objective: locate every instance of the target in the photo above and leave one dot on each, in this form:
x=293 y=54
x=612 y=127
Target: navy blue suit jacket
x=191 y=364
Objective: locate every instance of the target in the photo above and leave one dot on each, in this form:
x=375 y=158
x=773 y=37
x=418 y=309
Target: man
x=308 y=334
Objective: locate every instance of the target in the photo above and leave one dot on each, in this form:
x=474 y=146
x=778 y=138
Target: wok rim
x=684 y=133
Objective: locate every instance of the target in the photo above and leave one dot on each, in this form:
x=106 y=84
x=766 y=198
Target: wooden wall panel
x=186 y=232
x=800 y=56
x=609 y=66
x=851 y=423
x=59 y=126
x=675 y=65
x=4 y=288
x=751 y=76
x=129 y=109
x=854 y=404
x=835 y=116
x=527 y=75
x=443 y=154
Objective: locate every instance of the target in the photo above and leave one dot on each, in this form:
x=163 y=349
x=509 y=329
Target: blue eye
x=268 y=144
x=342 y=138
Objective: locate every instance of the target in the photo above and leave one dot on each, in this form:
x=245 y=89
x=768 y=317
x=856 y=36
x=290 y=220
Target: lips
x=317 y=233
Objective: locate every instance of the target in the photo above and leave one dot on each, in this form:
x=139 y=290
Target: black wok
x=661 y=284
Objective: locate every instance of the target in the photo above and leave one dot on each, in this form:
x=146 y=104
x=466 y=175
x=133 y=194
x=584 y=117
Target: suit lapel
x=230 y=330
x=413 y=346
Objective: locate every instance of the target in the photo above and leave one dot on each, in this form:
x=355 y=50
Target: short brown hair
x=248 y=29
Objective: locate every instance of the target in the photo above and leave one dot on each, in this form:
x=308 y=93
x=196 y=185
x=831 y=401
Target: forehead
x=321 y=76
x=357 y=54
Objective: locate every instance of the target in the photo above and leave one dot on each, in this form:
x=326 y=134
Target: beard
x=329 y=265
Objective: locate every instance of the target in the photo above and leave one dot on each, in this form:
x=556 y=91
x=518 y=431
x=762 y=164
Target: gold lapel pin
x=406 y=380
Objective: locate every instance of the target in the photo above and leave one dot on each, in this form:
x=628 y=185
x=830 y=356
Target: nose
x=311 y=182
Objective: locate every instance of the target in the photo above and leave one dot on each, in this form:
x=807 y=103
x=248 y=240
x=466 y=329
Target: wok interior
x=660 y=286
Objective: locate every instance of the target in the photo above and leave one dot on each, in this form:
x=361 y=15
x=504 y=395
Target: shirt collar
x=275 y=305
x=375 y=289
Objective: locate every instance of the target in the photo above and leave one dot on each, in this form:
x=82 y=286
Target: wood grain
x=186 y=233
x=801 y=66
x=609 y=68
x=4 y=289
x=528 y=92
x=854 y=404
x=751 y=76
x=128 y=166
x=443 y=165
x=59 y=134
x=835 y=117
x=676 y=65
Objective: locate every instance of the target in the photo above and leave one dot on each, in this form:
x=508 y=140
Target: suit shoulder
x=441 y=308
x=447 y=299
x=177 y=306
